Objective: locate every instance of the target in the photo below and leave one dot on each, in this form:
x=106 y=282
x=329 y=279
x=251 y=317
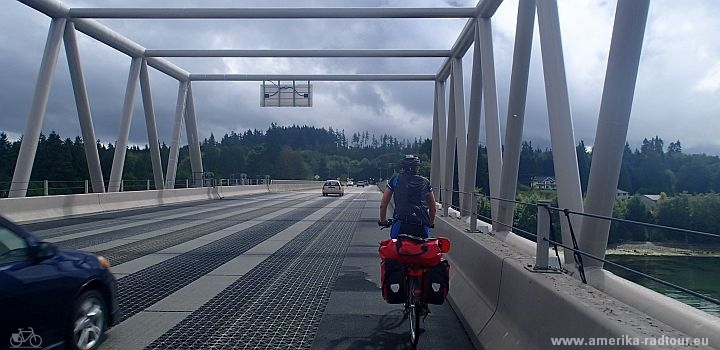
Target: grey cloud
x=680 y=48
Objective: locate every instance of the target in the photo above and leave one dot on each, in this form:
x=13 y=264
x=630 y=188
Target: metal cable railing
x=53 y=187
x=578 y=254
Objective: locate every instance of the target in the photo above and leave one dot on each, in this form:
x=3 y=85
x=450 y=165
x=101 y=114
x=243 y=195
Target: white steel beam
x=109 y=37
x=175 y=143
x=118 y=163
x=442 y=139
x=474 y=116
x=102 y=33
x=450 y=147
x=460 y=133
x=273 y=12
x=297 y=53
x=28 y=146
x=484 y=9
x=461 y=45
x=611 y=134
x=83 y=108
x=151 y=126
x=516 y=112
x=492 y=118
x=168 y=68
x=193 y=139
x=435 y=166
x=312 y=77
x=561 y=126
x=52 y=8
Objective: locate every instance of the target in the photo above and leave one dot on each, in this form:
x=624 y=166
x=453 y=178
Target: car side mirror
x=45 y=250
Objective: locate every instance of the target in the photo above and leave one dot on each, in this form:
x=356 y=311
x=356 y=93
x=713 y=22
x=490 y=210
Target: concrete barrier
x=38 y=208
x=125 y=200
x=28 y=209
x=504 y=305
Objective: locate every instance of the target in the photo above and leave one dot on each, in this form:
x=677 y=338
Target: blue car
x=50 y=297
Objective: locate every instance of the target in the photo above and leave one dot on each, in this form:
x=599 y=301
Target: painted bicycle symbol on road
x=25 y=339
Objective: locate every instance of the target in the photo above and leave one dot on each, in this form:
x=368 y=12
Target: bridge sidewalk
x=357 y=317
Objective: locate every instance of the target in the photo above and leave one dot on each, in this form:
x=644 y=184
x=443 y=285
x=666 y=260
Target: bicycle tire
x=35 y=341
x=15 y=343
x=413 y=314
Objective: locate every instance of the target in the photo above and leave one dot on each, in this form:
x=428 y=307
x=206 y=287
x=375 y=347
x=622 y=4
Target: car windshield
x=12 y=246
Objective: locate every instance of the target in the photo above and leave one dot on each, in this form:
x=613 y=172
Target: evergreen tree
x=7 y=160
x=583 y=159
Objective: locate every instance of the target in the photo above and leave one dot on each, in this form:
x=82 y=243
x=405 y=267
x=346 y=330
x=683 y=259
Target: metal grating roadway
x=148 y=286
x=279 y=303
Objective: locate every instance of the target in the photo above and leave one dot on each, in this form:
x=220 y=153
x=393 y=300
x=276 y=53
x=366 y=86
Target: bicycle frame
x=413 y=280
x=22 y=335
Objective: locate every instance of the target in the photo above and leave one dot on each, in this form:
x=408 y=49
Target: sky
x=677 y=96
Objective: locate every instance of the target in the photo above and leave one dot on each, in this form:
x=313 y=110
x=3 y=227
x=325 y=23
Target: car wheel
x=88 y=321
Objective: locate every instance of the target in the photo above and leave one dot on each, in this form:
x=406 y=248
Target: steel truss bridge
x=455 y=133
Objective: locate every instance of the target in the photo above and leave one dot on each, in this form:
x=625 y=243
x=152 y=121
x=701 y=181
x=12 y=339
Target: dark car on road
x=50 y=297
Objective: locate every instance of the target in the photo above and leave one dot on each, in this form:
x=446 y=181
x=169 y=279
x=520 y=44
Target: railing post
x=187 y=183
x=542 y=261
x=147 y=185
x=87 y=188
x=122 y=185
x=45 y=187
x=473 y=212
x=543 y=234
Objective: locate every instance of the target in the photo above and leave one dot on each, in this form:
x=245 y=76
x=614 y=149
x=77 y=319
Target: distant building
x=621 y=195
x=543 y=182
x=650 y=199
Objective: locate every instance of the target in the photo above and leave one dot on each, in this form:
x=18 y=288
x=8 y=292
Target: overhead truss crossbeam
x=312 y=77
x=297 y=53
x=272 y=13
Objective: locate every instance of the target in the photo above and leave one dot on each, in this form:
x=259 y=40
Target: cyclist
x=414 y=201
x=414 y=205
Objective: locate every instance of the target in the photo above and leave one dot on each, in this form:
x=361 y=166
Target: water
x=698 y=273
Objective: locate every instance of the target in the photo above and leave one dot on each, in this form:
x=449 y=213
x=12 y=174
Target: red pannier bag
x=413 y=250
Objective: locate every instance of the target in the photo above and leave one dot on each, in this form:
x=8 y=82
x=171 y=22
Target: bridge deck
x=282 y=270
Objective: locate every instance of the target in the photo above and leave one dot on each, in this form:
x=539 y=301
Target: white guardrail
x=504 y=305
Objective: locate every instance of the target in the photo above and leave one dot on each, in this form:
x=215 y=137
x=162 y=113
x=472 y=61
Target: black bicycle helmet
x=410 y=161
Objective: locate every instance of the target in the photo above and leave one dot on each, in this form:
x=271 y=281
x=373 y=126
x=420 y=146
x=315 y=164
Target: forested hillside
x=301 y=152
x=292 y=152
x=688 y=183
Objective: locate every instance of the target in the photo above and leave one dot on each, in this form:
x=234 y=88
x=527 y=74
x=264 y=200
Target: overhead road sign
x=285 y=94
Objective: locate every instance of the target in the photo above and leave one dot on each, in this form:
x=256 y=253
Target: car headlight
x=104 y=262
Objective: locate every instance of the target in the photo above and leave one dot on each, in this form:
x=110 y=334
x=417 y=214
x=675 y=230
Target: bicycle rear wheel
x=413 y=315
